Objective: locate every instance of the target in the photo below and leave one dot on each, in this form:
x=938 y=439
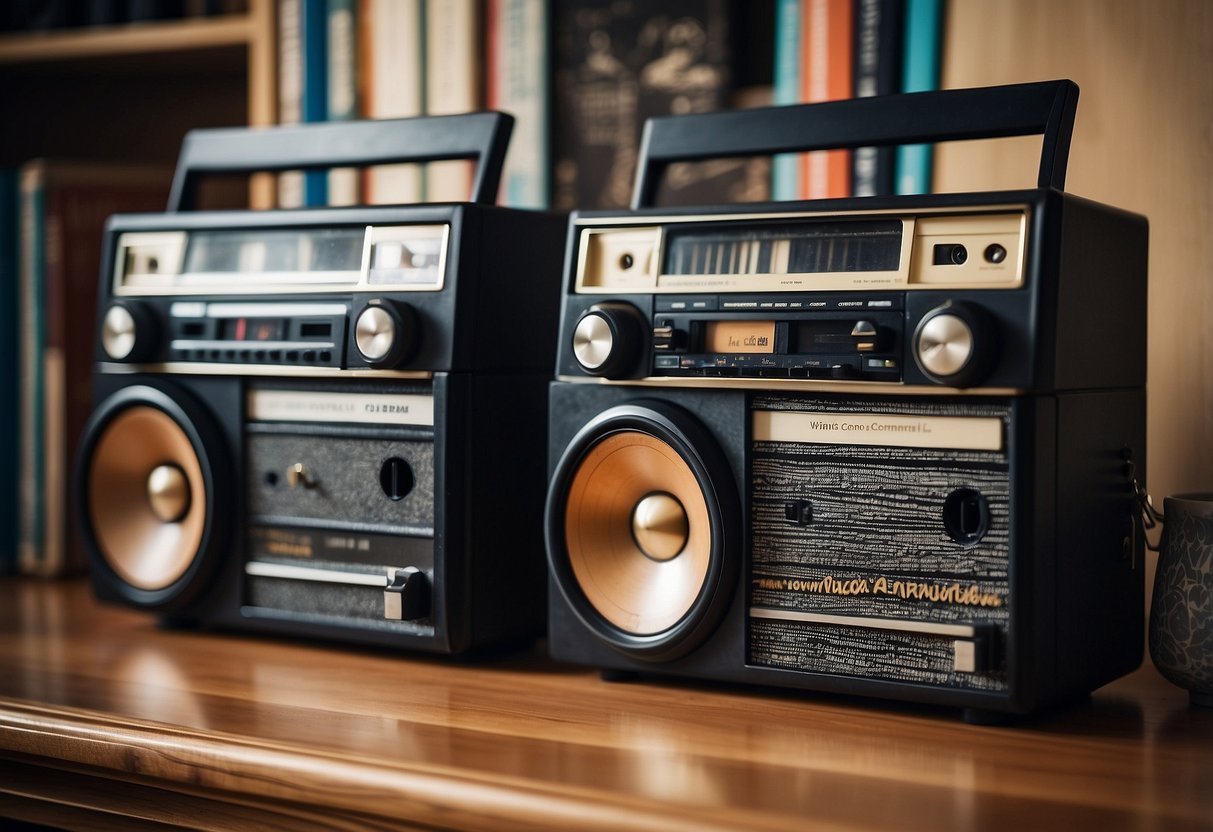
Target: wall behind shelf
x=1143 y=141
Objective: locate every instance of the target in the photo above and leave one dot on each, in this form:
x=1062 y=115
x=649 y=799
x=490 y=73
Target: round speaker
x=642 y=519
x=149 y=464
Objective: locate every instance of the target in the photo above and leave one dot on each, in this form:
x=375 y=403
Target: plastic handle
x=480 y=136
x=1045 y=108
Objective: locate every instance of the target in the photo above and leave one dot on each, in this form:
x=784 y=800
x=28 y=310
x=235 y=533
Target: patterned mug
x=1181 y=618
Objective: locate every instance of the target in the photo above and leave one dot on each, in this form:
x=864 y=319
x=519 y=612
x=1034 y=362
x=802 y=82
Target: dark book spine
x=878 y=37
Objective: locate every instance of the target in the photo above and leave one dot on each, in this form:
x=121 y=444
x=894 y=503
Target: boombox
x=876 y=446
x=323 y=422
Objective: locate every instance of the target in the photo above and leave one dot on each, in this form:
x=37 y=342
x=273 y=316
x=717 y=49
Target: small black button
x=799 y=512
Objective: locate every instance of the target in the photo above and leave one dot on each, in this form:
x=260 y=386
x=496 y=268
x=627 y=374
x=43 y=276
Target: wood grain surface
x=104 y=715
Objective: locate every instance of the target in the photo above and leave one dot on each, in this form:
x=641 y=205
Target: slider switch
x=407 y=596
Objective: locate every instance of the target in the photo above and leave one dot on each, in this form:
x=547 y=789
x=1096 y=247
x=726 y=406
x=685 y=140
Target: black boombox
x=877 y=446
x=327 y=422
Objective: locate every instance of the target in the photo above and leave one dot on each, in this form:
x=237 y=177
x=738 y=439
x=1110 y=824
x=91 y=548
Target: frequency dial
x=608 y=339
x=955 y=344
x=385 y=333
x=128 y=332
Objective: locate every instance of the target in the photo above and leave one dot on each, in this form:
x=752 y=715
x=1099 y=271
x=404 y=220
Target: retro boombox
x=875 y=446
x=323 y=422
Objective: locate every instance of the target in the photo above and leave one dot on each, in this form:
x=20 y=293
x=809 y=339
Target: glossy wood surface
x=102 y=712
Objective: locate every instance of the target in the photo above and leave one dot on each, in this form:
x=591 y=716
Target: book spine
x=827 y=46
x=314 y=87
x=516 y=83
x=343 y=187
x=920 y=73
x=785 y=167
x=392 y=45
x=452 y=73
x=30 y=544
x=290 y=91
x=9 y=327
x=878 y=33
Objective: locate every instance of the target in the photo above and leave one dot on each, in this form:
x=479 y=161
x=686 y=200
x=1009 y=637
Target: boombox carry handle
x=481 y=136
x=1045 y=108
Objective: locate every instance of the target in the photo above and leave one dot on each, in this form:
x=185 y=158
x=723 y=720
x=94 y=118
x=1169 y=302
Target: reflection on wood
x=99 y=708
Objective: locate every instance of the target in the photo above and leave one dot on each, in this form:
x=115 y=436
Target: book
x=63 y=210
x=826 y=50
x=920 y=73
x=391 y=60
x=290 y=91
x=9 y=220
x=786 y=177
x=343 y=183
x=314 y=90
x=516 y=82
x=452 y=79
x=619 y=64
x=878 y=34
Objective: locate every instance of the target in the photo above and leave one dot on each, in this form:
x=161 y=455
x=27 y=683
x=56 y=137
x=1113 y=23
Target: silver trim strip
x=803 y=385
x=895 y=625
x=206 y=369
x=185 y=344
x=272 y=310
x=260 y=569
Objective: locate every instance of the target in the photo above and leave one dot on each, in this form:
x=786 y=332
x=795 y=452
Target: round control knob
x=385 y=333
x=128 y=332
x=608 y=339
x=954 y=344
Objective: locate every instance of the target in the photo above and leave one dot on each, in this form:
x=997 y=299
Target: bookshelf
x=130 y=92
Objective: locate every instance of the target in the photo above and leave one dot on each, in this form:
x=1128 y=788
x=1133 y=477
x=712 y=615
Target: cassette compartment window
x=785 y=248
x=325 y=251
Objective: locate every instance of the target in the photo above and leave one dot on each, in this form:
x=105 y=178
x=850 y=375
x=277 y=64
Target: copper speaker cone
x=146 y=498
x=611 y=495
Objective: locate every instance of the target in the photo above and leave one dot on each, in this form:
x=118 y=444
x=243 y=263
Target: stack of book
x=827 y=50
x=51 y=218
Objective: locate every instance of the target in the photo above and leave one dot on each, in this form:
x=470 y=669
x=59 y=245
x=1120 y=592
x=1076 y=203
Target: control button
x=128 y=332
x=666 y=362
x=844 y=371
x=663 y=338
x=385 y=333
x=955 y=344
x=298 y=476
x=309 y=355
x=326 y=356
x=995 y=253
x=866 y=335
x=609 y=338
x=799 y=512
x=292 y=355
x=407 y=595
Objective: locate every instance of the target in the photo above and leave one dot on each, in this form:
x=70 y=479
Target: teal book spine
x=9 y=225
x=785 y=167
x=315 y=19
x=920 y=73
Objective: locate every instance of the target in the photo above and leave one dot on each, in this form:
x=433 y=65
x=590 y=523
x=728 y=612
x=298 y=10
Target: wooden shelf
x=102 y=714
x=150 y=38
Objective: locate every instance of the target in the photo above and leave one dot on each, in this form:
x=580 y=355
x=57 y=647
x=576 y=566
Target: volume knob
x=608 y=339
x=385 y=333
x=954 y=344
x=128 y=332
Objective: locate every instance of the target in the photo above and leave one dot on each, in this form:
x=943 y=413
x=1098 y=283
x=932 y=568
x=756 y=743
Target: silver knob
x=375 y=333
x=945 y=345
x=118 y=333
x=593 y=341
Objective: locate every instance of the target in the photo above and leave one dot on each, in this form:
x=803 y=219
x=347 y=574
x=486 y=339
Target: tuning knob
x=385 y=333
x=956 y=344
x=608 y=339
x=128 y=332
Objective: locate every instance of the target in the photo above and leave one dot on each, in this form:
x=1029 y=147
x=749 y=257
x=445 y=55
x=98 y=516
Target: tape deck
x=321 y=422
x=874 y=446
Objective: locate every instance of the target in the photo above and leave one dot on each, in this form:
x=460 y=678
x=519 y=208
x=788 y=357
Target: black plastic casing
x=1071 y=370
x=483 y=353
